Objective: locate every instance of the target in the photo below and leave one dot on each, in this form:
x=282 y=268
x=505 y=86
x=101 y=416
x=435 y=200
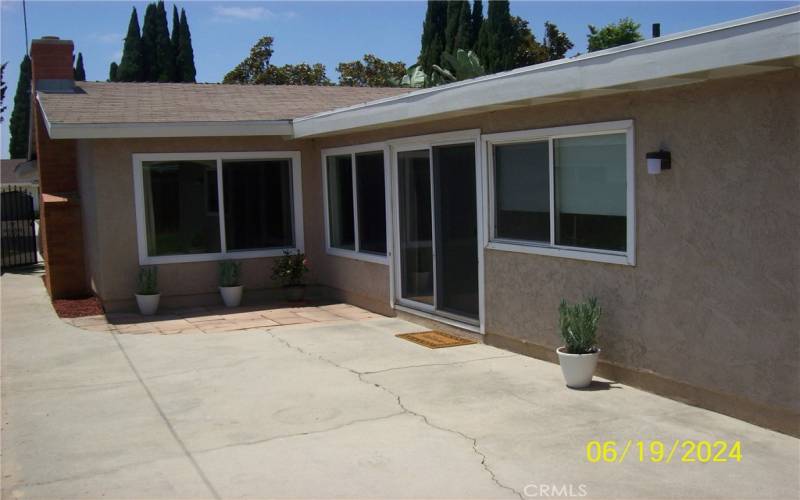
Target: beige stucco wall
x=713 y=299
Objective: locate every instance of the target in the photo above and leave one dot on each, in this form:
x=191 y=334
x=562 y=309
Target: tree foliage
x=131 y=66
x=19 y=125
x=371 y=71
x=498 y=41
x=184 y=60
x=476 y=21
x=256 y=69
x=433 y=35
x=79 y=72
x=527 y=50
x=253 y=65
x=153 y=55
x=3 y=87
x=459 y=26
x=113 y=72
x=556 y=42
x=623 y=32
x=294 y=74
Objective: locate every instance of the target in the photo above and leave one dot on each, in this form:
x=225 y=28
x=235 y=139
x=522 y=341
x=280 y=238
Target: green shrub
x=147 y=284
x=290 y=269
x=578 y=325
x=230 y=272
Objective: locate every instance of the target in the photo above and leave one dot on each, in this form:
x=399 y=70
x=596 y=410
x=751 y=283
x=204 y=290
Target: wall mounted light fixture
x=658 y=161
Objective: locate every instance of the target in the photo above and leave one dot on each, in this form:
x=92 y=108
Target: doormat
x=434 y=339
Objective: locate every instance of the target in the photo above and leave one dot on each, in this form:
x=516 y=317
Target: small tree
x=372 y=72
x=112 y=72
x=556 y=42
x=254 y=65
x=19 y=125
x=613 y=35
x=79 y=72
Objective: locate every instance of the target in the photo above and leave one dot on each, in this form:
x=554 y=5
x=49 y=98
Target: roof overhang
x=751 y=45
x=166 y=129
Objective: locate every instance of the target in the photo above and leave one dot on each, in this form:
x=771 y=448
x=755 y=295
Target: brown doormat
x=435 y=340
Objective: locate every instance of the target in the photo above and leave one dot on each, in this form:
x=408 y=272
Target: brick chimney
x=60 y=210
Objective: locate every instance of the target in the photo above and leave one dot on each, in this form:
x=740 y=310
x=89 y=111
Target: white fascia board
x=769 y=36
x=151 y=130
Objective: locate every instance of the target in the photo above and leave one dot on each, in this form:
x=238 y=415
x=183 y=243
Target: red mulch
x=76 y=308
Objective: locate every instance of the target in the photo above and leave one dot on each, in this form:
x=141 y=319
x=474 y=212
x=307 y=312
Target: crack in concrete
x=437 y=364
x=301 y=434
x=406 y=410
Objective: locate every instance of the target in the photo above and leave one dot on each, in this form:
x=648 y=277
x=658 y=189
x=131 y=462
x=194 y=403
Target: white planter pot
x=577 y=368
x=148 y=304
x=231 y=295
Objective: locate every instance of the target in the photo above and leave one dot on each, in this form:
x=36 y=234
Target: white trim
x=441 y=319
x=747 y=41
x=551 y=248
x=168 y=129
x=357 y=253
x=141 y=226
x=428 y=142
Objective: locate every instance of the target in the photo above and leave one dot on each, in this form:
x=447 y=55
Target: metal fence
x=18 y=216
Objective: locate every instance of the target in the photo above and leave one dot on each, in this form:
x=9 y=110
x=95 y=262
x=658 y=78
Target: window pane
x=591 y=191
x=181 y=216
x=522 y=191
x=371 y=203
x=340 y=202
x=258 y=204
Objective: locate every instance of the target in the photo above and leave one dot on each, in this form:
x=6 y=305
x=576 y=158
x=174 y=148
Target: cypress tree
x=476 y=19
x=433 y=35
x=176 y=35
x=458 y=26
x=497 y=44
x=131 y=66
x=79 y=72
x=165 y=57
x=149 y=36
x=19 y=127
x=112 y=72
x=185 y=58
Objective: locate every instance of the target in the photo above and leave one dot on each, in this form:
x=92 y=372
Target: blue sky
x=324 y=31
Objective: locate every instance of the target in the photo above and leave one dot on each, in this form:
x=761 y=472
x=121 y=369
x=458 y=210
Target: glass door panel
x=456 y=229
x=416 y=232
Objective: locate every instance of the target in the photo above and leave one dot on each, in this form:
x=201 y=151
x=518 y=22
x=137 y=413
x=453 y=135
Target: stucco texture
x=713 y=299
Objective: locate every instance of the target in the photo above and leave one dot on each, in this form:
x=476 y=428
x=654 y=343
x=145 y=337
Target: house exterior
x=477 y=205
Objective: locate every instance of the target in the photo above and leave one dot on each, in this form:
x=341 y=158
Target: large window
x=193 y=207
x=355 y=208
x=566 y=191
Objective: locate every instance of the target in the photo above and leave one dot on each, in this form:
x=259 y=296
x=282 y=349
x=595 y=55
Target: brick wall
x=60 y=212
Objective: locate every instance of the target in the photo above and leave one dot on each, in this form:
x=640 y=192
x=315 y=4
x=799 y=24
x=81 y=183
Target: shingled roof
x=98 y=102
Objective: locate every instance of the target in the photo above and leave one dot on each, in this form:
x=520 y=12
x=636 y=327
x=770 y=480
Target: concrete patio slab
x=334 y=409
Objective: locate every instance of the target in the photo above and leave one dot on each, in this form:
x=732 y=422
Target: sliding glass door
x=438 y=230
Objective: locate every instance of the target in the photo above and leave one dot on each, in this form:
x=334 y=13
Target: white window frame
x=352 y=151
x=628 y=257
x=141 y=226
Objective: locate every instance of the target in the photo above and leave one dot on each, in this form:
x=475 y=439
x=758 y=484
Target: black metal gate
x=17 y=216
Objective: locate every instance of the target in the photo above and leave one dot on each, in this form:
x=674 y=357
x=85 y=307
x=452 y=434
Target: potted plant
x=230 y=283
x=289 y=271
x=147 y=296
x=578 y=356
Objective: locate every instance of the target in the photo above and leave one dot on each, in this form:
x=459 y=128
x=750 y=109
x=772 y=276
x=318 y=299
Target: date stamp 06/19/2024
x=657 y=452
